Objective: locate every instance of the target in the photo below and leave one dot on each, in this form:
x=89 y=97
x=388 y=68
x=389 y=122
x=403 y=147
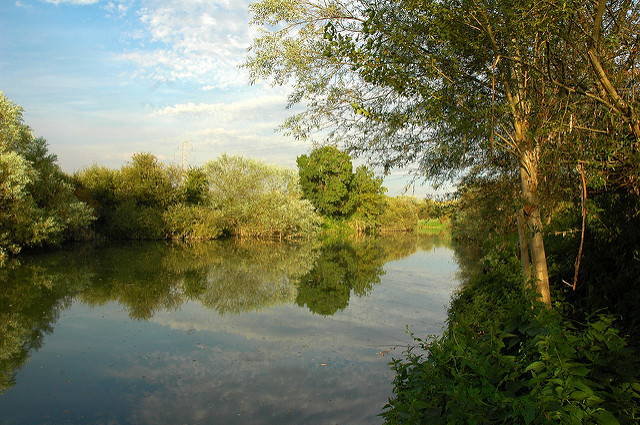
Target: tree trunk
x=529 y=180
x=523 y=244
x=526 y=149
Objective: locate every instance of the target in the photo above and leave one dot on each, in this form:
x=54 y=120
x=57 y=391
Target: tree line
x=232 y=196
x=229 y=196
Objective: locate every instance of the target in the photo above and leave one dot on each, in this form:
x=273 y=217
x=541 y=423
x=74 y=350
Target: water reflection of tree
x=252 y=275
x=134 y=276
x=144 y=278
x=228 y=276
x=31 y=299
x=355 y=266
x=342 y=267
x=402 y=245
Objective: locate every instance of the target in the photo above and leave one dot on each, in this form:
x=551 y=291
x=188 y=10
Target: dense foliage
x=325 y=177
x=37 y=201
x=501 y=361
x=147 y=199
x=228 y=196
x=259 y=200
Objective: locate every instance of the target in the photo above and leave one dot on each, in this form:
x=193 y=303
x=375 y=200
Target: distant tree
x=367 y=196
x=145 y=189
x=400 y=214
x=131 y=202
x=259 y=200
x=195 y=187
x=326 y=176
x=97 y=187
x=148 y=182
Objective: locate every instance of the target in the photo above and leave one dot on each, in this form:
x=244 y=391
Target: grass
x=433 y=226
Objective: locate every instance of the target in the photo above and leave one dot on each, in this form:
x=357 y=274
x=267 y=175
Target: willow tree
x=463 y=65
x=457 y=87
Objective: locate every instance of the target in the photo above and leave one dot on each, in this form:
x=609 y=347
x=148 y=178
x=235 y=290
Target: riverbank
x=502 y=361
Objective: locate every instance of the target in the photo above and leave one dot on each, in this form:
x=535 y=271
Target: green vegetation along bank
x=145 y=199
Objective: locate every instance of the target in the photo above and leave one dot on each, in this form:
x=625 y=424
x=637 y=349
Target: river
x=219 y=333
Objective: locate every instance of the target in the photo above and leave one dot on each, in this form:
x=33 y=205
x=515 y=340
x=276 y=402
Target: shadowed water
x=219 y=333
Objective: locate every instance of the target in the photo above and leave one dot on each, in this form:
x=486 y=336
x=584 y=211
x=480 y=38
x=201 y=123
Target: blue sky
x=103 y=79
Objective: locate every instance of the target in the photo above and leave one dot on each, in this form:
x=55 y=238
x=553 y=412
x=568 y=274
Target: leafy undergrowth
x=500 y=361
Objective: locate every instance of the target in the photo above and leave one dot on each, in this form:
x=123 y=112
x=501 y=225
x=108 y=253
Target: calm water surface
x=221 y=333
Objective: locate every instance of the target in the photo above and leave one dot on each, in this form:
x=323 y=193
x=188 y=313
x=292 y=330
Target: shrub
x=193 y=222
x=400 y=215
x=502 y=361
x=259 y=200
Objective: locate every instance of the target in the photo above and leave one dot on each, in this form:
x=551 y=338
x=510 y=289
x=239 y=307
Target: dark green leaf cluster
x=328 y=181
x=609 y=273
x=501 y=361
x=325 y=177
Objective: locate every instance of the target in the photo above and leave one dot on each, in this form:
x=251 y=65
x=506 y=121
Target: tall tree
x=433 y=86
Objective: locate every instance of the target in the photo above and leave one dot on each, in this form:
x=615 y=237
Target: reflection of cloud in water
x=258 y=382
x=288 y=325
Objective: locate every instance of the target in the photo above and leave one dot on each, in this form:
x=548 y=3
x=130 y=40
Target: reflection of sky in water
x=282 y=365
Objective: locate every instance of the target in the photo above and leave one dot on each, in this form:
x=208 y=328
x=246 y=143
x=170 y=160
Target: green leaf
x=604 y=417
x=535 y=366
x=529 y=414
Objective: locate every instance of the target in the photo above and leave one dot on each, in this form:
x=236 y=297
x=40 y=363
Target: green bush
x=258 y=200
x=399 y=215
x=133 y=221
x=193 y=222
x=502 y=361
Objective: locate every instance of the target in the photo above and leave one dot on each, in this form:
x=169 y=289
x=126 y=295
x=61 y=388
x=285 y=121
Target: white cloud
x=194 y=41
x=73 y=2
x=117 y=7
x=229 y=110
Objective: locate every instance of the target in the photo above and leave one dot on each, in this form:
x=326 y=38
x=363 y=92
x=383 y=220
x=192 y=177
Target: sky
x=103 y=79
